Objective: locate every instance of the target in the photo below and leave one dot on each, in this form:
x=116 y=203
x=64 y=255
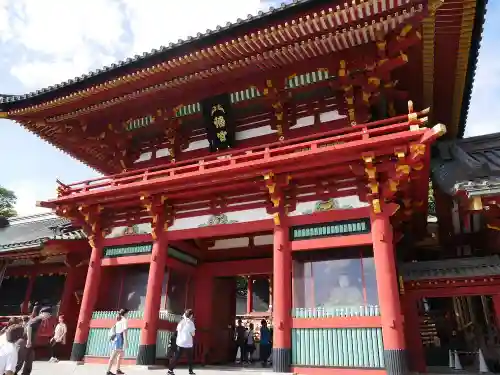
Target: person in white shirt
x=8 y=351
x=250 y=349
x=185 y=334
x=118 y=338
x=58 y=340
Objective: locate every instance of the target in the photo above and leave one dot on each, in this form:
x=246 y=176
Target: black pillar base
x=78 y=351
x=282 y=359
x=146 y=355
x=396 y=362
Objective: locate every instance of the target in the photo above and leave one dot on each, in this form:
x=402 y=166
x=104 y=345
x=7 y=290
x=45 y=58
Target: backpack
x=112 y=333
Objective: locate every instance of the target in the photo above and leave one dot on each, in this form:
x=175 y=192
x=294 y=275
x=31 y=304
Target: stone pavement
x=71 y=368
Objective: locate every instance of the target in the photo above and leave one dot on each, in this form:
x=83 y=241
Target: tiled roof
x=451 y=268
x=164 y=52
x=477 y=35
x=470 y=165
x=33 y=231
x=252 y=21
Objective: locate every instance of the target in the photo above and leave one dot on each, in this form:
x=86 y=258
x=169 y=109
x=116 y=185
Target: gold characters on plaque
x=219 y=122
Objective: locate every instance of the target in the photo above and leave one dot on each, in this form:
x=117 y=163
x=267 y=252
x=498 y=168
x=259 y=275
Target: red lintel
x=332 y=242
x=338 y=322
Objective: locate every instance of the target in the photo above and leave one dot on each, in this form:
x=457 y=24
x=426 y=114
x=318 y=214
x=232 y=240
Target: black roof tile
x=33 y=231
x=468 y=164
x=451 y=268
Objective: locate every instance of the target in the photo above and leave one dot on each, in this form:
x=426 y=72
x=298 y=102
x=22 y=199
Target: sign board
x=218 y=122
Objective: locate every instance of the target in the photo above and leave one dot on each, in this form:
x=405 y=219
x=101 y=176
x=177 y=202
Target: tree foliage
x=7 y=201
x=241 y=286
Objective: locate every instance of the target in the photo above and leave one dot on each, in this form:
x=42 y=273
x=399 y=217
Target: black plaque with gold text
x=218 y=122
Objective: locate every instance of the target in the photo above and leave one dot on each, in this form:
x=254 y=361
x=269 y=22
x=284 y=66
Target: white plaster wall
x=348 y=202
x=238 y=216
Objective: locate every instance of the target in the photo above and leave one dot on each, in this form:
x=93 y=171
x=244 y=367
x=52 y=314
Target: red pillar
x=147 y=347
x=416 y=355
x=249 y=295
x=68 y=290
x=25 y=307
x=282 y=299
x=89 y=298
x=388 y=294
x=496 y=308
x=204 y=291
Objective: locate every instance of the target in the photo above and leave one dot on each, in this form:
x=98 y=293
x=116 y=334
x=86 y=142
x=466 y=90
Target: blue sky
x=43 y=42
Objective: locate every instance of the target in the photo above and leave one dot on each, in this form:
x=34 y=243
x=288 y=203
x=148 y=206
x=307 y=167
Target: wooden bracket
x=160 y=213
x=275 y=185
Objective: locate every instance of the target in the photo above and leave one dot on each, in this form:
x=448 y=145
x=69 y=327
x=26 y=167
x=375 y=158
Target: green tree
x=241 y=286
x=7 y=201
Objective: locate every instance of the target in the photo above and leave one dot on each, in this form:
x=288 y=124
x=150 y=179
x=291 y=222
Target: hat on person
x=46 y=310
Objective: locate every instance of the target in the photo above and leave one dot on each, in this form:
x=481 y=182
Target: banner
x=218 y=122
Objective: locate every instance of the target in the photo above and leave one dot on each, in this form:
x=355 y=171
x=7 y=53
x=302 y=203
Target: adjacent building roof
x=451 y=268
x=471 y=166
x=31 y=232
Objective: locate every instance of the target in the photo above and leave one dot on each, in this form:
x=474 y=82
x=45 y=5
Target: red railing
x=367 y=137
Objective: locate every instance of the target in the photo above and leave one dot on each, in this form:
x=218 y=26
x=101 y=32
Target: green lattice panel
x=120 y=251
x=236 y=97
x=112 y=314
x=98 y=344
x=339 y=228
x=369 y=310
x=162 y=341
x=338 y=347
x=183 y=257
x=138 y=123
x=307 y=79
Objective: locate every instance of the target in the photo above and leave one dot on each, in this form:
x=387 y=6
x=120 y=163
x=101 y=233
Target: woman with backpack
x=118 y=337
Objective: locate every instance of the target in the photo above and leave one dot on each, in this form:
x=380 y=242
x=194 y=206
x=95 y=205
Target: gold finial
x=439 y=129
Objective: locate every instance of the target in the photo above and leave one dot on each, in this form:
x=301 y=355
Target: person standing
x=8 y=350
x=12 y=321
x=58 y=340
x=26 y=352
x=265 y=343
x=241 y=339
x=172 y=347
x=185 y=334
x=250 y=345
x=118 y=337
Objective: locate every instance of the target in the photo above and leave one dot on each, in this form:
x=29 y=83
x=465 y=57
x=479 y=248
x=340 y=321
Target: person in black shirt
x=26 y=353
x=241 y=340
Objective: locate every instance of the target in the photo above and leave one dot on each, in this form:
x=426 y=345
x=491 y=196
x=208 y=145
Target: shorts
x=117 y=343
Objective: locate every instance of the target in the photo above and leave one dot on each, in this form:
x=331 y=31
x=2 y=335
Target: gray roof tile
x=451 y=268
x=32 y=232
x=471 y=165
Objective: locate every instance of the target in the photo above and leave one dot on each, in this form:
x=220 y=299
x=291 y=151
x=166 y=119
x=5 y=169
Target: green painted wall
x=162 y=341
x=98 y=344
x=337 y=228
x=369 y=310
x=338 y=347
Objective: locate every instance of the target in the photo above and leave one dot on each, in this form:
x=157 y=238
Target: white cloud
x=162 y=22
x=62 y=39
x=28 y=193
